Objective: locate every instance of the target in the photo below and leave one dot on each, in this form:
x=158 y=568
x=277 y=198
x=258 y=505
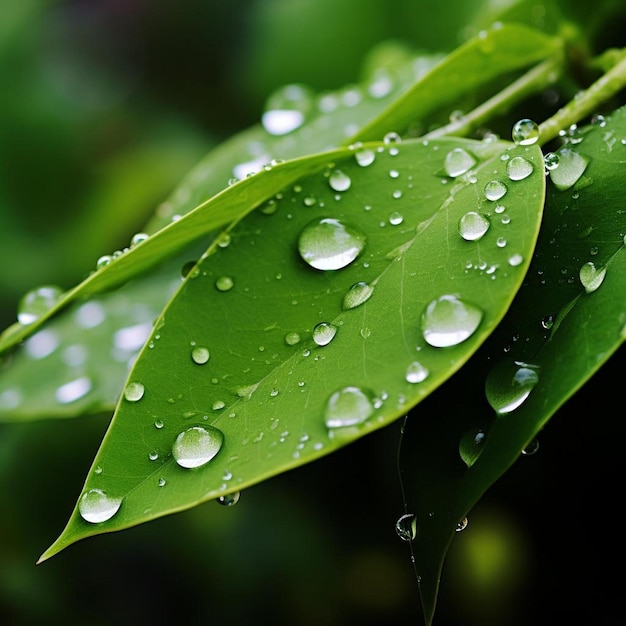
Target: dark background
x=104 y=106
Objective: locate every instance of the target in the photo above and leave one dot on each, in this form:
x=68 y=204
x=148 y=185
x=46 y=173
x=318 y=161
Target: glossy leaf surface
x=558 y=334
x=283 y=332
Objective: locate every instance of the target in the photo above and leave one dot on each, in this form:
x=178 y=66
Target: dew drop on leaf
x=494 y=190
x=224 y=283
x=457 y=162
x=339 y=181
x=357 y=294
x=519 y=168
x=200 y=355
x=569 y=169
x=324 y=333
x=329 y=244
x=364 y=157
x=591 y=277
x=134 y=391
x=229 y=500
x=525 y=132
x=448 y=321
x=291 y=339
x=462 y=525
x=473 y=225
x=349 y=406
x=551 y=160
x=509 y=383
x=406 y=527
x=471 y=445
x=37 y=302
x=197 y=445
x=416 y=372
x=96 y=506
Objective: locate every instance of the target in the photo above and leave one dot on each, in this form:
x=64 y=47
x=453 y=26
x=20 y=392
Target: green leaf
x=490 y=54
x=240 y=348
x=559 y=334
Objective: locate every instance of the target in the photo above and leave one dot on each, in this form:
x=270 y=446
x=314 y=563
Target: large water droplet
x=519 y=168
x=286 y=109
x=197 y=445
x=348 y=407
x=357 y=294
x=96 y=506
x=472 y=226
x=406 y=527
x=471 y=445
x=200 y=355
x=328 y=244
x=448 y=320
x=591 y=277
x=570 y=168
x=494 y=190
x=509 y=383
x=457 y=162
x=525 y=132
x=365 y=157
x=37 y=302
x=134 y=391
x=324 y=333
x=416 y=372
x=339 y=181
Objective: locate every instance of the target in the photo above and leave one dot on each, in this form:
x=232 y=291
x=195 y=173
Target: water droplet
x=328 y=244
x=348 y=407
x=154 y=455
x=74 y=390
x=134 y=391
x=98 y=470
x=364 y=157
x=229 y=500
x=448 y=320
x=200 y=355
x=324 y=333
x=416 y=372
x=286 y=109
x=197 y=445
x=291 y=339
x=591 y=277
x=462 y=525
x=551 y=161
x=494 y=190
x=96 y=506
x=357 y=294
x=570 y=168
x=158 y=424
x=224 y=283
x=162 y=482
x=457 y=162
x=406 y=527
x=339 y=181
x=392 y=138
x=218 y=405
x=472 y=226
x=509 y=383
x=525 y=132
x=138 y=238
x=471 y=445
x=519 y=168
x=395 y=219
x=37 y=302
x=103 y=261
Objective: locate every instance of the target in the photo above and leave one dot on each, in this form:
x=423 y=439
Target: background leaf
x=553 y=324
x=263 y=377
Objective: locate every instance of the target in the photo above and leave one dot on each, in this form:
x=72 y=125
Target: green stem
x=533 y=81
x=585 y=103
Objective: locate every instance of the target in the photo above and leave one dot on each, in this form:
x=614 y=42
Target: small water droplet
x=448 y=321
x=570 y=168
x=224 y=283
x=96 y=506
x=328 y=244
x=230 y=499
x=339 y=181
x=494 y=190
x=37 y=302
x=457 y=162
x=525 y=132
x=324 y=333
x=357 y=294
x=462 y=525
x=551 y=161
x=154 y=455
x=591 y=277
x=103 y=261
x=519 y=168
x=406 y=527
x=365 y=157
x=531 y=448
x=391 y=138
x=472 y=226
x=162 y=482
x=348 y=407
x=134 y=391
x=509 y=383
x=138 y=238
x=416 y=372
x=158 y=424
x=471 y=445
x=200 y=355
x=197 y=445
x=291 y=339
x=395 y=219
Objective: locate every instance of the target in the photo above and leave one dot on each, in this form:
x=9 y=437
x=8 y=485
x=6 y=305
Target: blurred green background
x=104 y=106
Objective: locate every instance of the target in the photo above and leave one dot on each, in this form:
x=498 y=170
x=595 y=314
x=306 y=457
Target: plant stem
x=584 y=103
x=536 y=79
